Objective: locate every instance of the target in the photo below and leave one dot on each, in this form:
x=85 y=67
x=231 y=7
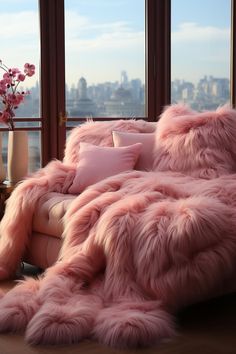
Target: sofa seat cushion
x=49 y=211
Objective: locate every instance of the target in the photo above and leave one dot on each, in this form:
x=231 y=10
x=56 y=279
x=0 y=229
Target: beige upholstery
x=49 y=212
x=45 y=241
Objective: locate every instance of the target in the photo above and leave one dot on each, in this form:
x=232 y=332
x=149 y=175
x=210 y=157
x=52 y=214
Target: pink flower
x=9 y=96
x=20 y=77
x=4 y=117
x=3 y=87
x=14 y=71
x=19 y=99
x=8 y=78
x=29 y=69
x=14 y=99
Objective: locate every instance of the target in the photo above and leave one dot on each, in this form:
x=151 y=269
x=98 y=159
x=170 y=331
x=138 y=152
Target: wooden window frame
x=233 y=55
x=52 y=78
x=157 y=70
x=158 y=25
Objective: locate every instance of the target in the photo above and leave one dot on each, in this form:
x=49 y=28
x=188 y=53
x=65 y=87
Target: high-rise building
x=124 y=79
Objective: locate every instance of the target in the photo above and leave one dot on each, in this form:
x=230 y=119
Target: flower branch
x=11 y=98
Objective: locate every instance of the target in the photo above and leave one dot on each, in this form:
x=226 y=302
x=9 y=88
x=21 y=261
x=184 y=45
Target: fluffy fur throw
x=137 y=246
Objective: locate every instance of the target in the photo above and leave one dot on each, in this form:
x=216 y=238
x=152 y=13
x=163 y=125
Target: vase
x=17 y=159
x=2 y=168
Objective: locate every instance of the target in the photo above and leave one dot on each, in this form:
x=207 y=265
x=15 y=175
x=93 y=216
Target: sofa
x=137 y=222
x=47 y=226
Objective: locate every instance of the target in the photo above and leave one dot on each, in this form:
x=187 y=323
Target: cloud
x=100 y=50
x=84 y=35
x=192 y=32
x=107 y=41
x=19 y=32
x=19 y=25
x=114 y=45
x=22 y=29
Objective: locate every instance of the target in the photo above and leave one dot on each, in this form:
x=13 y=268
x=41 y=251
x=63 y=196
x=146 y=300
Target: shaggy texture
x=100 y=133
x=197 y=144
x=137 y=246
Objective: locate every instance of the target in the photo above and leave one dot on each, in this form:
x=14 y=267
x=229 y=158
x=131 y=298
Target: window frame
x=52 y=78
x=233 y=55
x=157 y=71
x=158 y=35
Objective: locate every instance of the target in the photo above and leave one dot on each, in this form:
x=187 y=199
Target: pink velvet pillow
x=145 y=160
x=99 y=162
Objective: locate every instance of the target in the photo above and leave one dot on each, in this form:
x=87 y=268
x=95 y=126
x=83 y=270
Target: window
x=112 y=59
x=200 y=53
x=20 y=43
x=105 y=58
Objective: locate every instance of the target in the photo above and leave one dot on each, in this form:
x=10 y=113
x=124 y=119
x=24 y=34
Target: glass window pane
x=20 y=44
x=200 y=52
x=27 y=124
x=105 y=58
x=34 y=150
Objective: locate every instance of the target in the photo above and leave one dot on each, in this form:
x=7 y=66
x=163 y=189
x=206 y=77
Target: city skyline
x=126 y=97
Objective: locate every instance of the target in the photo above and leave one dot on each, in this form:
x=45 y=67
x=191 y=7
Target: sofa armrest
x=16 y=225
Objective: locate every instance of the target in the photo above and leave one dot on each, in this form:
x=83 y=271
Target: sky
x=200 y=39
x=104 y=37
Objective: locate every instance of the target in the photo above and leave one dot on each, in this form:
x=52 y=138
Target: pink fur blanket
x=137 y=246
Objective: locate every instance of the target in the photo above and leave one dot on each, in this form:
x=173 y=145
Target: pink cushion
x=145 y=160
x=99 y=162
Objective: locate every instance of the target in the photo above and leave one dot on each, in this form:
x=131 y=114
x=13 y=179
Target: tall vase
x=2 y=168
x=17 y=160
